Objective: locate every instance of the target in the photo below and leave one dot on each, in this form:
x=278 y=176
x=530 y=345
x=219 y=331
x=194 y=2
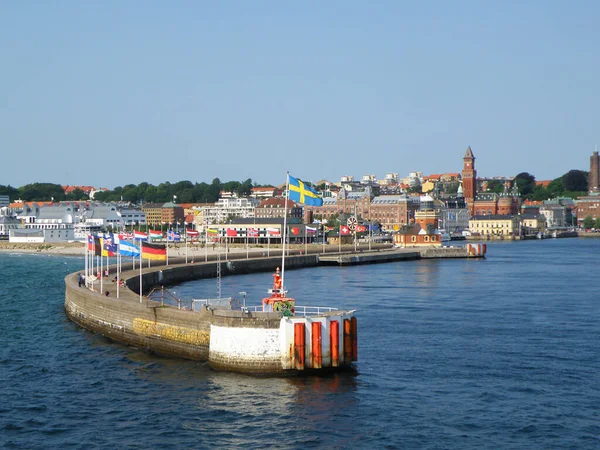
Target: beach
x=56 y=248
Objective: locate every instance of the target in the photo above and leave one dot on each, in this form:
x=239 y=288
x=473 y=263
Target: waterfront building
x=153 y=212
x=50 y=223
x=555 y=215
x=4 y=201
x=272 y=208
x=256 y=230
x=495 y=225
x=130 y=217
x=8 y=223
x=227 y=208
x=588 y=206
x=391 y=211
x=414 y=235
x=158 y=214
x=454 y=215
x=532 y=224
x=172 y=213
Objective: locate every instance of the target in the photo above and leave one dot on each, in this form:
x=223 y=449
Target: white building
x=8 y=223
x=368 y=179
x=555 y=215
x=132 y=217
x=225 y=209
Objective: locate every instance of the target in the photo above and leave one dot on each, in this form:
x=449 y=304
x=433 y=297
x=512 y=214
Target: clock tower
x=469 y=178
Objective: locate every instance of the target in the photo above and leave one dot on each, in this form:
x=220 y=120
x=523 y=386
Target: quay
x=238 y=339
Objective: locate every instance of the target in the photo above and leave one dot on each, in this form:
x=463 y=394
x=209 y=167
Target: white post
x=247 y=249
x=168 y=245
x=186 y=247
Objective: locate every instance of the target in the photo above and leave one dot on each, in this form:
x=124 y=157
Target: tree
x=597 y=223
x=42 y=192
x=525 y=183
x=588 y=222
x=575 y=180
x=12 y=192
x=77 y=194
x=496 y=186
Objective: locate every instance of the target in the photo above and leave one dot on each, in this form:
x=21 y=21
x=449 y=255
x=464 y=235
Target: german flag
x=155 y=252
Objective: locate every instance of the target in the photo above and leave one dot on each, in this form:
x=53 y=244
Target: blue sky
x=111 y=93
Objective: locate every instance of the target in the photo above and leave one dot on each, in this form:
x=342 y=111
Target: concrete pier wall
x=252 y=342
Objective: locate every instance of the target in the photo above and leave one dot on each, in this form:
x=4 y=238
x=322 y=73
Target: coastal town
x=417 y=210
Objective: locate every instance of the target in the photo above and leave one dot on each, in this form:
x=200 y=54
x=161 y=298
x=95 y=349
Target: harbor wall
x=252 y=342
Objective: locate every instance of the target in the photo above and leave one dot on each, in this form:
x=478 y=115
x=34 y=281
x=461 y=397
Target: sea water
x=496 y=353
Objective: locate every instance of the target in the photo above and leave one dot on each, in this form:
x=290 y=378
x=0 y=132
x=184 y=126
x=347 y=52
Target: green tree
x=575 y=180
x=42 y=192
x=13 y=193
x=495 y=186
x=525 y=184
x=597 y=223
x=77 y=194
x=588 y=222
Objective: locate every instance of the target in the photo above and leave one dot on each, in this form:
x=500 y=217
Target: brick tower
x=469 y=179
x=594 y=177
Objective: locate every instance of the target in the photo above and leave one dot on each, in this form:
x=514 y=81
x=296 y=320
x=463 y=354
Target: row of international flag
x=110 y=244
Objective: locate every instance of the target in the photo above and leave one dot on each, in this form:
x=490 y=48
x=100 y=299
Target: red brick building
x=509 y=202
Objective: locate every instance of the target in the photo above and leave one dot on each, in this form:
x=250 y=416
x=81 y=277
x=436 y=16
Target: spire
x=469 y=153
x=459 y=191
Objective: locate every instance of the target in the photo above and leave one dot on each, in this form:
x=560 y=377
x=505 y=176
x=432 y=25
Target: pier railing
x=300 y=310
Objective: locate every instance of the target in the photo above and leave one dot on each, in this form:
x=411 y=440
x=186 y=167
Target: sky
x=110 y=93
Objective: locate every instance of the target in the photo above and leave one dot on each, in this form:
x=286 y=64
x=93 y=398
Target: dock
x=402 y=254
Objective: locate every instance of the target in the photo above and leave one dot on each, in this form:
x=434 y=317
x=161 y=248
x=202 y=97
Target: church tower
x=469 y=179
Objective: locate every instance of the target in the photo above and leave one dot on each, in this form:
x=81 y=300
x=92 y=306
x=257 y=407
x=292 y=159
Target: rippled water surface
x=495 y=353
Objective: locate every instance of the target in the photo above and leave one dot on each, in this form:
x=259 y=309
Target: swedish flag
x=301 y=193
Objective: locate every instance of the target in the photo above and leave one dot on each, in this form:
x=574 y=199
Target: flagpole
x=186 y=248
x=268 y=243
x=140 y=272
x=287 y=195
x=247 y=249
x=101 y=272
x=168 y=247
x=206 y=245
x=118 y=258
x=305 y=243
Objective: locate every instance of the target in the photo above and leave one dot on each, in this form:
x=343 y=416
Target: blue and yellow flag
x=301 y=193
